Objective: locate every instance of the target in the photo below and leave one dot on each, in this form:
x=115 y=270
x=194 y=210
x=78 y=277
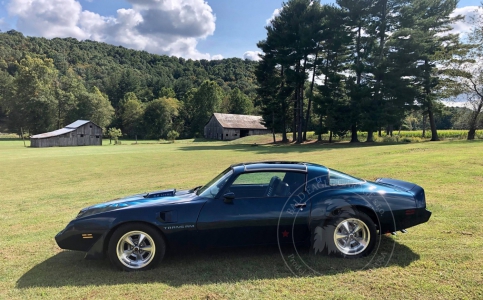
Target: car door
x=252 y=216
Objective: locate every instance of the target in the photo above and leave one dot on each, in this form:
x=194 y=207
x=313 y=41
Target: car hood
x=145 y=199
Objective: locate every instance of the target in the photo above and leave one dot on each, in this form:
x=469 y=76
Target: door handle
x=300 y=205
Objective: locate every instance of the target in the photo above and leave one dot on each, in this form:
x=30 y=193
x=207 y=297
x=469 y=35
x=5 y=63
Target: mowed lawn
x=43 y=189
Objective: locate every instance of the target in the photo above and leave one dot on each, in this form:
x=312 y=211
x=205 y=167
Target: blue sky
x=190 y=28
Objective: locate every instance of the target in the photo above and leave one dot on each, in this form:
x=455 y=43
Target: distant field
x=441 y=133
x=417 y=135
x=414 y=136
x=43 y=189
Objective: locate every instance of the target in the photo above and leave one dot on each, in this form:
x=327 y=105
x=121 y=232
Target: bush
x=173 y=135
x=114 y=134
x=390 y=139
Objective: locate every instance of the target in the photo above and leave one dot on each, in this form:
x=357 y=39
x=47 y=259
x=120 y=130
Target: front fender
x=176 y=223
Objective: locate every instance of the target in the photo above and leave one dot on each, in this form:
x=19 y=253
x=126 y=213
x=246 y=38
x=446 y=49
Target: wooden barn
x=227 y=127
x=79 y=133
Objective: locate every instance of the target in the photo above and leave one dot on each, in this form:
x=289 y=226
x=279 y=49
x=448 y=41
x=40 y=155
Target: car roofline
x=284 y=166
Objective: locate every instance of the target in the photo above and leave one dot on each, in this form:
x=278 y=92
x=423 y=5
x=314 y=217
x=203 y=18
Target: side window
x=339 y=178
x=257 y=178
x=267 y=184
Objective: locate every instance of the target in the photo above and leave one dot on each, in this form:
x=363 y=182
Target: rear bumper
x=420 y=216
x=405 y=219
x=424 y=216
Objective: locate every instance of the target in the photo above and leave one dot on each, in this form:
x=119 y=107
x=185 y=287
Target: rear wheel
x=352 y=237
x=136 y=247
x=352 y=234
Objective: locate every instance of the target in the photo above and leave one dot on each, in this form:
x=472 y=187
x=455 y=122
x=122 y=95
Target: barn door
x=80 y=140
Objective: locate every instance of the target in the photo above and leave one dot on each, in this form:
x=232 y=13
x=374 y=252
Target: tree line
x=379 y=62
x=47 y=84
x=381 y=65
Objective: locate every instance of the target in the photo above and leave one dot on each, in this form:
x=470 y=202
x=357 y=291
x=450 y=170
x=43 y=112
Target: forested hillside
x=45 y=84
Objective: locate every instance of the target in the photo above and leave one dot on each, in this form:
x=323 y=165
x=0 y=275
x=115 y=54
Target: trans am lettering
x=187 y=226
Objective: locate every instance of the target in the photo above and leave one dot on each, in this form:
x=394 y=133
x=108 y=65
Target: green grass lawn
x=43 y=189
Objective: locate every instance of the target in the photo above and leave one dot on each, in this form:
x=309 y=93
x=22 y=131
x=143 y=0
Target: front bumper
x=82 y=236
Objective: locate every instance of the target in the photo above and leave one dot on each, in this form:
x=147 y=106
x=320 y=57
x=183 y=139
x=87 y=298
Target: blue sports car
x=249 y=204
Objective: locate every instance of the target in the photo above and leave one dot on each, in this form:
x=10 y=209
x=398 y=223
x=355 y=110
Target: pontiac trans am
x=249 y=204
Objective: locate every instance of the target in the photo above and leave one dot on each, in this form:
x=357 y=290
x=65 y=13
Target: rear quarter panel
x=387 y=207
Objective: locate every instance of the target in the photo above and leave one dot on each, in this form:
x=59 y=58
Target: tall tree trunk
x=474 y=120
x=300 y=120
x=296 y=112
x=424 y=125
x=370 y=136
x=307 y=115
x=284 y=109
x=284 y=131
x=432 y=123
x=319 y=139
x=296 y=106
x=429 y=102
x=300 y=114
x=284 y=126
x=331 y=134
x=377 y=87
x=354 y=138
x=273 y=127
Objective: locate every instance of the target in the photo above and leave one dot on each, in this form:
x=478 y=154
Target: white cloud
x=170 y=27
x=466 y=25
x=188 y=18
x=252 y=55
x=275 y=14
x=217 y=57
x=44 y=18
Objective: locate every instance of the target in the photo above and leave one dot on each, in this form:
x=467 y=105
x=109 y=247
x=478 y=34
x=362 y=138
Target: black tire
x=127 y=254
x=351 y=243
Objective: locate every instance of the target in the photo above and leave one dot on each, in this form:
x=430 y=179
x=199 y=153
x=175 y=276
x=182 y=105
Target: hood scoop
x=157 y=194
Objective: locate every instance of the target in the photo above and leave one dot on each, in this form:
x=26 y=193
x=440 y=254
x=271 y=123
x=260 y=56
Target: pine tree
x=358 y=14
x=427 y=30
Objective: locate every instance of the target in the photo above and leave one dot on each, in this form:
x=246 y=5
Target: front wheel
x=349 y=235
x=136 y=247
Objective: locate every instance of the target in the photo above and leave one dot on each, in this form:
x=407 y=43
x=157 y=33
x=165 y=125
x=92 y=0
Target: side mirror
x=228 y=197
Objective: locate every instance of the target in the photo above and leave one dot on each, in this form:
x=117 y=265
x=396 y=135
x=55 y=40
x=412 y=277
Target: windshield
x=213 y=187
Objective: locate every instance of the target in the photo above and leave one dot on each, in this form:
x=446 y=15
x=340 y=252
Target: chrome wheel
x=136 y=249
x=352 y=236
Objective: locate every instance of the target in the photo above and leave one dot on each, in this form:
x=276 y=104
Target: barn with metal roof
x=227 y=127
x=79 y=133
